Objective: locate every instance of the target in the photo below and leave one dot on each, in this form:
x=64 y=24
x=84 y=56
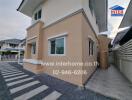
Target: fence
x=123 y=59
x=20 y=60
x=9 y=57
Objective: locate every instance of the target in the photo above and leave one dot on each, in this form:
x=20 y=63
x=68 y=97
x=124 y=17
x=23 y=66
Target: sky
x=13 y=24
x=114 y=22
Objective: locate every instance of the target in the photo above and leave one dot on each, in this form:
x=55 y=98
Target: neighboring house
x=123 y=52
x=9 y=44
x=21 y=48
x=22 y=44
x=123 y=45
x=62 y=31
x=119 y=36
x=10 y=49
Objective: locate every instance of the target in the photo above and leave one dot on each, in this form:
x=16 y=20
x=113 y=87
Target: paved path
x=24 y=85
x=111 y=83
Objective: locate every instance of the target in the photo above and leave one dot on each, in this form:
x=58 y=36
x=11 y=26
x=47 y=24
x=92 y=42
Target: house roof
x=12 y=49
x=127 y=37
x=23 y=42
x=122 y=36
x=20 y=5
x=117 y=7
x=11 y=41
x=30 y=5
x=127 y=19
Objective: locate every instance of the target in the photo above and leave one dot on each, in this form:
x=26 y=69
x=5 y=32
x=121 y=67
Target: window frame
x=49 y=46
x=33 y=51
x=40 y=12
x=91 y=47
x=36 y=14
x=91 y=7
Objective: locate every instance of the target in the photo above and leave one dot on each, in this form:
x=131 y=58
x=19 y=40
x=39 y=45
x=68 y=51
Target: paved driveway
x=111 y=83
x=19 y=84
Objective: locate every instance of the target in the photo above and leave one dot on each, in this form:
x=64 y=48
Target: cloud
x=12 y=23
x=115 y=21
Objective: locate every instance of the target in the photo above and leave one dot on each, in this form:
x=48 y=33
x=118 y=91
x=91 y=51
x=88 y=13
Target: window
x=57 y=46
x=91 y=47
x=35 y=16
x=91 y=6
x=52 y=50
x=13 y=45
x=38 y=15
x=33 y=48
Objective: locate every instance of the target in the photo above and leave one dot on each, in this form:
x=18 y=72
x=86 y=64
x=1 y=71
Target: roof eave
x=102 y=10
x=20 y=5
x=27 y=7
x=127 y=19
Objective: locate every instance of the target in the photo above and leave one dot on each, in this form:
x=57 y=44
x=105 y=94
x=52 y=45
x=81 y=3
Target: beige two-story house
x=64 y=31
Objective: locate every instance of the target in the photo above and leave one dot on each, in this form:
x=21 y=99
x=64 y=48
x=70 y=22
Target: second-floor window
x=13 y=45
x=38 y=15
x=91 y=6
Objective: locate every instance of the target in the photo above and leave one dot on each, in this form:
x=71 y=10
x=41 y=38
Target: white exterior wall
x=53 y=10
x=4 y=46
x=123 y=59
x=92 y=18
x=56 y=9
